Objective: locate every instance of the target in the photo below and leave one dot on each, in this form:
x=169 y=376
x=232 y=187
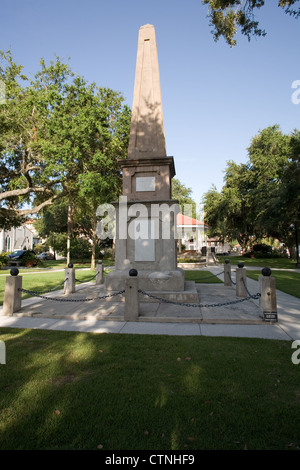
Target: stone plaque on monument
x=145 y=183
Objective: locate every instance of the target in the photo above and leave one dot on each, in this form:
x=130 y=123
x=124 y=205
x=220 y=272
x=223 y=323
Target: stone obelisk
x=147 y=137
x=147 y=172
x=149 y=244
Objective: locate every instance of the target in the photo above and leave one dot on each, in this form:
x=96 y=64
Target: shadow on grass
x=67 y=390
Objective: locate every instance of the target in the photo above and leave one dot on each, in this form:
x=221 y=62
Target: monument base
x=168 y=285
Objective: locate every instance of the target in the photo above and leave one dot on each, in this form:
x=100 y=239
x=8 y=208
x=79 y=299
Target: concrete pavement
x=107 y=315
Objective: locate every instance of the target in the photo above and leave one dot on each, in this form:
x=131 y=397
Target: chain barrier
x=234 y=283
x=37 y=294
x=212 y=275
x=87 y=280
x=256 y=296
x=50 y=290
x=160 y=299
x=184 y=304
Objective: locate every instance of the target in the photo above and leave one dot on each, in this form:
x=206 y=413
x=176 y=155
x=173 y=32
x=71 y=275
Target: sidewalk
x=107 y=316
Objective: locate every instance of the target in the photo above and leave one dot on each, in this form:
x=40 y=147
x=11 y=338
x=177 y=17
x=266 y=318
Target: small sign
x=145 y=183
x=270 y=317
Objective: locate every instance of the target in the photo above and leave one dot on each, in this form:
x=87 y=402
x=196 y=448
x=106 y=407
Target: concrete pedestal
x=99 y=273
x=69 y=287
x=227 y=275
x=12 y=295
x=131 y=299
x=268 y=301
x=241 y=282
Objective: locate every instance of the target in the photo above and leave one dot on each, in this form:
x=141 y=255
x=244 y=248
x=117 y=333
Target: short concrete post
x=69 y=287
x=12 y=293
x=2 y=353
x=227 y=273
x=132 y=304
x=241 y=281
x=267 y=301
x=100 y=273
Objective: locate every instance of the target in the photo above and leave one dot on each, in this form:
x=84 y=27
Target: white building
x=192 y=233
x=18 y=238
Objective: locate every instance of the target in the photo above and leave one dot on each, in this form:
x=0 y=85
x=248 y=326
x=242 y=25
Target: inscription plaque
x=144 y=243
x=145 y=183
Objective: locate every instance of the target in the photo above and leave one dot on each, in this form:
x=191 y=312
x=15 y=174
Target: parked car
x=46 y=255
x=22 y=257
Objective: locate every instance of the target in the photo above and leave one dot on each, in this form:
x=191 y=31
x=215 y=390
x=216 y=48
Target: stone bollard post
x=227 y=273
x=267 y=301
x=100 y=273
x=12 y=293
x=69 y=287
x=132 y=304
x=241 y=281
x=2 y=353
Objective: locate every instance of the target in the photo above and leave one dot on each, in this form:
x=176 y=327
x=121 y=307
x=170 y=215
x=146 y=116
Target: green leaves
x=260 y=198
x=59 y=135
x=227 y=16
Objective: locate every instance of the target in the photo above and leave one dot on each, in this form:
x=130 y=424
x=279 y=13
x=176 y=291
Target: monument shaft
x=147 y=176
x=147 y=136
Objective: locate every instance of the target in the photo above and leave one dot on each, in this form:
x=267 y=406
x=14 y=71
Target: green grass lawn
x=286 y=281
x=279 y=263
x=202 y=277
x=58 y=264
x=76 y=391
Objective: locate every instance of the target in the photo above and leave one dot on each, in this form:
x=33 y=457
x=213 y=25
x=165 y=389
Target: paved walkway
x=240 y=319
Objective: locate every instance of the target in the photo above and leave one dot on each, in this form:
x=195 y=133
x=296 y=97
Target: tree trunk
x=94 y=241
x=297 y=245
x=93 y=260
x=69 y=232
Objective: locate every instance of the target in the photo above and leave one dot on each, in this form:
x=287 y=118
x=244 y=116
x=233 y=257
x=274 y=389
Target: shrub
x=29 y=257
x=3 y=259
x=39 y=248
x=262 y=248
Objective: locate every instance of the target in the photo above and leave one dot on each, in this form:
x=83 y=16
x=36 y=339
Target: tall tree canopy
x=227 y=16
x=59 y=136
x=181 y=193
x=262 y=197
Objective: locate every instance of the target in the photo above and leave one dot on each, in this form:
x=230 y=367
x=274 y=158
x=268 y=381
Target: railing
x=266 y=296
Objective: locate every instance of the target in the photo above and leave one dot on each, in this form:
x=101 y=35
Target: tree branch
x=33 y=210
x=36 y=209
x=20 y=192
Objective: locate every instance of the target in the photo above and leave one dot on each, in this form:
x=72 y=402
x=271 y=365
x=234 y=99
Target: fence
x=132 y=292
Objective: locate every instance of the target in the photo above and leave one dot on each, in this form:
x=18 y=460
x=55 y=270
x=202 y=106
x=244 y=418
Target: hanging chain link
x=212 y=275
x=185 y=304
x=87 y=280
x=234 y=283
x=36 y=294
x=49 y=290
x=256 y=296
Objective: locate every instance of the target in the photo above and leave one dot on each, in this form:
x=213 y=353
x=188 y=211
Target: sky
x=215 y=98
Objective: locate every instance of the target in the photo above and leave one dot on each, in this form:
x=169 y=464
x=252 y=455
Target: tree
x=52 y=223
x=226 y=16
x=58 y=135
x=27 y=176
x=260 y=198
x=269 y=157
x=229 y=213
x=184 y=196
x=287 y=203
